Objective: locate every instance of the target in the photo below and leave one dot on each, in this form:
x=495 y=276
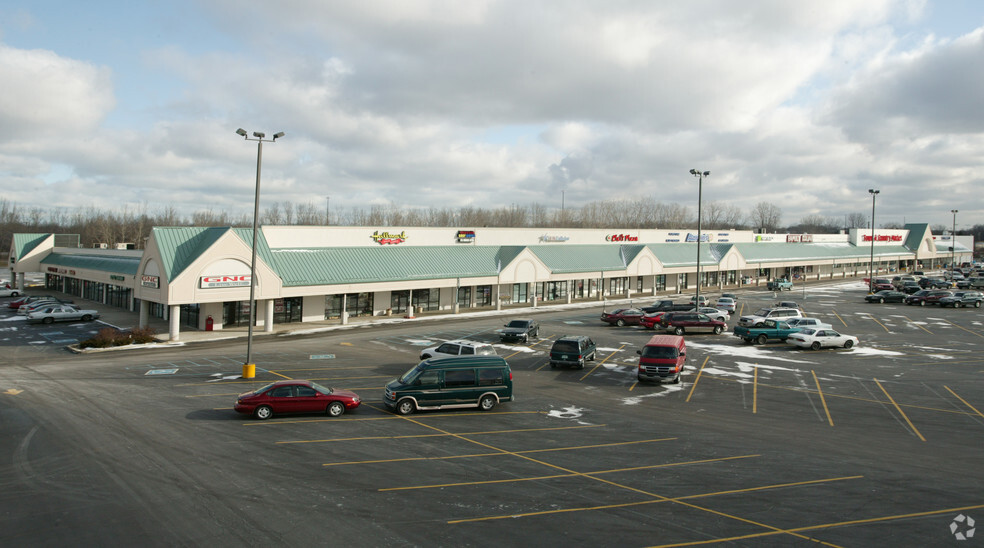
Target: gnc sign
x=235 y=280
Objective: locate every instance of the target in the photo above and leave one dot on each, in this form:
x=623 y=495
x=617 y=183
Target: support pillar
x=268 y=316
x=144 y=313
x=174 y=322
x=344 y=314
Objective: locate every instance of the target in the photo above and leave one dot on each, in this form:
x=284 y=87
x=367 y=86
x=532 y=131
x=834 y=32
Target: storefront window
x=189 y=315
x=520 y=293
x=483 y=295
x=427 y=299
x=554 y=291
x=617 y=285
x=356 y=304
x=464 y=297
x=682 y=281
x=287 y=310
x=661 y=282
x=399 y=301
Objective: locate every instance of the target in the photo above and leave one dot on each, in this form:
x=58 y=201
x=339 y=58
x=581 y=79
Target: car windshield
x=762 y=312
x=485 y=350
x=660 y=352
x=410 y=375
x=262 y=390
x=323 y=389
x=807 y=331
x=517 y=323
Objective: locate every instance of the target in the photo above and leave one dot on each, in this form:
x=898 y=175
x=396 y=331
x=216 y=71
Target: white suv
x=759 y=317
x=458 y=348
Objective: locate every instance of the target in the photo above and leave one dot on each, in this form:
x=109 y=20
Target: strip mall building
x=199 y=277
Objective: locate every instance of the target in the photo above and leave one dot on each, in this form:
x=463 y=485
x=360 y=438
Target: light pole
x=953 y=243
x=700 y=190
x=249 y=368
x=871 y=261
x=327 y=210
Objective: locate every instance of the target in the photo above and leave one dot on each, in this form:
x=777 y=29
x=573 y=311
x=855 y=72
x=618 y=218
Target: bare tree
x=856 y=220
x=765 y=215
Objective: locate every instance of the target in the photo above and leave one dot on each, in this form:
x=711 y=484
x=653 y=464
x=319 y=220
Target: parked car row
x=49 y=309
x=923 y=297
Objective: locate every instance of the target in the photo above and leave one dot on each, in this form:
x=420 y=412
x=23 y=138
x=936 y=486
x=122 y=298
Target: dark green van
x=451 y=383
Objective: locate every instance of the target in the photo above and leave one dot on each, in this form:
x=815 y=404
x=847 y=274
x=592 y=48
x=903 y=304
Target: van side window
x=455 y=378
x=489 y=377
x=467 y=350
x=427 y=378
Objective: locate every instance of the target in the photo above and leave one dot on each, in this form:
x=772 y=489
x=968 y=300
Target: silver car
x=61 y=313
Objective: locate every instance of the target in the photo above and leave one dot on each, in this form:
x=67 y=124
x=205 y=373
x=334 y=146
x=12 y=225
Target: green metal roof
x=563 y=259
x=916 y=233
x=678 y=255
x=180 y=246
x=25 y=243
x=300 y=267
x=104 y=263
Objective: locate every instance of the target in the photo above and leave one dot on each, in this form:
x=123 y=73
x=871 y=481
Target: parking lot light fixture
x=249 y=368
x=871 y=261
x=953 y=244
x=700 y=190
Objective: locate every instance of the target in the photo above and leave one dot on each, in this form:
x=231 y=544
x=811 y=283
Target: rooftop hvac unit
x=126 y=245
x=100 y=246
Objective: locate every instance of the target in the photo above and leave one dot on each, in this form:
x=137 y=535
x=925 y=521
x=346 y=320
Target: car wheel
x=593 y=356
x=718 y=329
x=676 y=380
x=335 y=409
x=263 y=412
x=405 y=407
x=922 y=303
x=87 y=318
x=14 y=294
x=526 y=339
x=620 y=322
x=882 y=301
x=678 y=331
x=848 y=344
x=815 y=346
x=762 y=339
x=553 y=365
x=486 y=403
x=759 y=324
x=956 y=304
x=977 y=304
x=48 y=320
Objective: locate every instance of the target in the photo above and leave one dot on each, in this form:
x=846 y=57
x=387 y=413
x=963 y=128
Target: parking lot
x=760 y=445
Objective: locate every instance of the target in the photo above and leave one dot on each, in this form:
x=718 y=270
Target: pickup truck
x=772 y=330
x=779 y=284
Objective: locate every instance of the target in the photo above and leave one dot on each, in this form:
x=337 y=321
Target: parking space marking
x=605 y=359
x=570 y=474
x=822 y=399
x=548 y=450
x=917 y=324
x=660 y=501
x=964 y=401
x=876 y=321
x=755 y=391
x=963 y=328
x=826 y=526
x=899 y=409
x=697 y=379
x=834 y=312
x=442 y=434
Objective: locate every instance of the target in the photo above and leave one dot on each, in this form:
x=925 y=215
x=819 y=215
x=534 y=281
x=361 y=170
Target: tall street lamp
x=249 y=368
x=700 y=190
x=871 y=261
x=953 y=243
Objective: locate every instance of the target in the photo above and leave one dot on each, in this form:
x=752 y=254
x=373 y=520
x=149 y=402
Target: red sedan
x=283 y=397
x=623 y=316
x=652 y=320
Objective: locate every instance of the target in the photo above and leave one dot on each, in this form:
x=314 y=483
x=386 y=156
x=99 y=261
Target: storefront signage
x=150 y=281
x=765 y=237
x=673 y=239
x=691 y=237
x=386 y=238
x=465 y=237
x=549 y=238
x=882 y=238
x=799 y=238
x=235 y=280
x=117 y=278
x=621 y=238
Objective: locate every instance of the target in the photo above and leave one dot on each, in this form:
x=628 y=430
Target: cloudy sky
x=806 y=104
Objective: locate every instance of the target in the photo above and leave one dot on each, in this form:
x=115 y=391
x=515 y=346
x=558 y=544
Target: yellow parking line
x=899 y=409
x=412 y=436
x=839 y=318
x=964 y=401
x=917 y=325
x=964 y=328
x=500 y=454
x=822 y=399
x=565 y=475
x=878 y=322
x=597 y=365
x=755 y=390
x=696 y=380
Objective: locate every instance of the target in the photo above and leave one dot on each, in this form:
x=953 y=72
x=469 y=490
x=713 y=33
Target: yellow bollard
x=249 y=370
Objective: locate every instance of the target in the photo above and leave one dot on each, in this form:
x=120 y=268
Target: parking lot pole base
x=249 y=370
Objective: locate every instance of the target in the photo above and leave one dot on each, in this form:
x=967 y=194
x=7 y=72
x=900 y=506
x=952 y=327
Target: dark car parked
x=910 y=287
x=572 y=350
x=933 y=282
x=927 y=296
x=963 y=298
x=886 y=296
x=520 y=330
x=688 y=322
x=623 y=316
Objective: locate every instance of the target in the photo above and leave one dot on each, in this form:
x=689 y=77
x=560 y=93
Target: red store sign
x=882 y=238
x=621 y=238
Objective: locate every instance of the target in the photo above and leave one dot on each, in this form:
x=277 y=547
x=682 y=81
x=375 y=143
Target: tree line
x=133 y=225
